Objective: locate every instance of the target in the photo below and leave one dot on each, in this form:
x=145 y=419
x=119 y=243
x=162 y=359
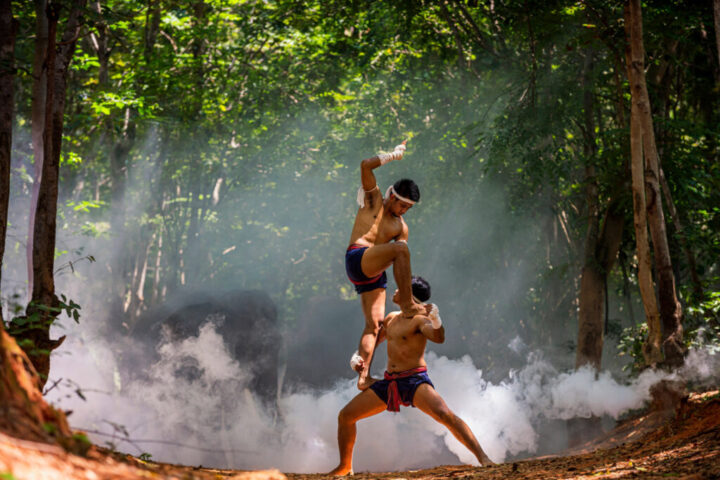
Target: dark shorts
x=406 y=387
x=353 y=257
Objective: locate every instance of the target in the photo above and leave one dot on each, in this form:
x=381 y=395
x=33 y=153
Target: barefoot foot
x=486 y=462
x=412 y=309
x=341 y=471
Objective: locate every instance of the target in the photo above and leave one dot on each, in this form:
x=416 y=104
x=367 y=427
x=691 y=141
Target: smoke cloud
x=210 y=418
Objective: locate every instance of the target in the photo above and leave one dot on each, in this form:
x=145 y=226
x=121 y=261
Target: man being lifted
x=378 y=240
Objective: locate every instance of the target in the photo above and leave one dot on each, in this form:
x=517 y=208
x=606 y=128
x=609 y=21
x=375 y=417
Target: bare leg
x=430 y=402
x=377 y=259
x=364 y=405
x=373 y=306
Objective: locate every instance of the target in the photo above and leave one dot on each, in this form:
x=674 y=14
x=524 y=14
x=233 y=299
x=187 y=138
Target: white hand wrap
x=396 y=154
x=434 y=317
x=355 y=360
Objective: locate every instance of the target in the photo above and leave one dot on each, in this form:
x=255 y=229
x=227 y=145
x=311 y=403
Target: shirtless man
x=406 y=381
x=378 y=240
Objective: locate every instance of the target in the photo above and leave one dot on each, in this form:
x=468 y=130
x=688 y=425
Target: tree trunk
x=43 y=307
x=663 y=77
x=682 y=238
x=590 y=324
x=652 y=347
x=39 y=92
x=23 y=411
x=600 y=251
x=8 y=27
x=670 y=310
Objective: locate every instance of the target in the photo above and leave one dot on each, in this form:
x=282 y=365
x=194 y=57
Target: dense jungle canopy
x=216 y=143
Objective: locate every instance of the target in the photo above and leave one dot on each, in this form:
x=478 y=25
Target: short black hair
x=420 y=288
x=408 y=189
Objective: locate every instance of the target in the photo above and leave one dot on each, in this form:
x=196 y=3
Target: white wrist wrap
x=396 y=154
x=434 y=317
x=355 y=360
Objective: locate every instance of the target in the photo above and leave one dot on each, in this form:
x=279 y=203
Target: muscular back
x=374 y=224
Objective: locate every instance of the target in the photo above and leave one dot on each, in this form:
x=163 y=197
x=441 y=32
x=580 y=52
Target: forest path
x=685 y=445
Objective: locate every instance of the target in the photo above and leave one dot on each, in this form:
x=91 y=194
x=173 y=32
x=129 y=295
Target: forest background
x=215 y=144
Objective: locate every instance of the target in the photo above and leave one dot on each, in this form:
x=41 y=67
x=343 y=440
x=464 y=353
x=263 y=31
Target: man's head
x=408 y=190
x=420 y=290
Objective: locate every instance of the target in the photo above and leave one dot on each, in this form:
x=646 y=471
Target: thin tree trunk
x=590 y=325
x=682 y=238
x=156 y=295
x=663 y=77
x=43 y=294
x=622 y=260
x=670 y=309
x=8 y=27
x=652 y=347
x=140 y=290
x=39 y=93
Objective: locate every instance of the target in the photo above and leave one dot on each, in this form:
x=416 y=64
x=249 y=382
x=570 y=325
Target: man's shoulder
x=390 y=316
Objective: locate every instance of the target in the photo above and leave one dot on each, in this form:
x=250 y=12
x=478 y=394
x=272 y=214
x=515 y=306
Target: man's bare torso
x=373 y=224
x=406 y=343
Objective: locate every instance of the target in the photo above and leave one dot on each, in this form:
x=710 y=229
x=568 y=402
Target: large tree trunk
x=670 y=310
x=43 y=307
x=600 y=251
x=8 y=26
x=39 y=92
x=652 y=347
x=23 y=411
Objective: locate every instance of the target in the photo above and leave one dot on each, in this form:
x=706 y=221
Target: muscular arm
x=367 y=177
x=436 y=335
x=369 y=164
x=404 y=234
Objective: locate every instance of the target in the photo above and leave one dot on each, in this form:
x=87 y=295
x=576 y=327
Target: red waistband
x=393 y=394
x=404 y=373
x=355 y=246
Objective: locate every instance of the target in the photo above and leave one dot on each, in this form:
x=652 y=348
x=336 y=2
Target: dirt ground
x=682 y=443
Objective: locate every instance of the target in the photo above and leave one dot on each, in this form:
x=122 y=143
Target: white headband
x=391 y=189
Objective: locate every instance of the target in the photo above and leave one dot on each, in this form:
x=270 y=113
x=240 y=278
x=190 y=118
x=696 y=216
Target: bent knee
x=373 y=330
x=401 y=249
x=345 y=418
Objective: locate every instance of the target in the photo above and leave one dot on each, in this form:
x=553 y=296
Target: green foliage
x=702 y=331
x=82 y=441
x=630 y=344
x=216 y=145
x=702 y=323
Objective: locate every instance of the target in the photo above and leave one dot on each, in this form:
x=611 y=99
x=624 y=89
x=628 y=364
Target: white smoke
x=208 y=417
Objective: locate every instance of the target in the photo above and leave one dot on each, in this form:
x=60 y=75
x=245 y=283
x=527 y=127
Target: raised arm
x=367 y=176
x=369 y=164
